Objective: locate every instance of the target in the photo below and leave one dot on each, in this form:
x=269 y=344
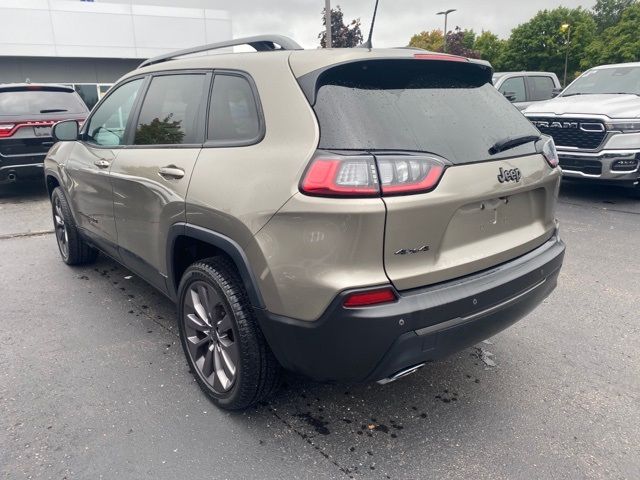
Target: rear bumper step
x=388 y=341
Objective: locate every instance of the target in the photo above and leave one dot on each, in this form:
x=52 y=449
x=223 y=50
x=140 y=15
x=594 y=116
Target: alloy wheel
x=62 y=236
x=210 y=337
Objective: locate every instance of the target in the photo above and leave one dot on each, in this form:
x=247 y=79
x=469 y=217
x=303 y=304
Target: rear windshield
x=446 y=108
x=40 y=102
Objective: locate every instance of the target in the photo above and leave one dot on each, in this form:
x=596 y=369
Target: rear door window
x=425 y=106
x=541 y=88
x=172 y=111
x=39 y=102
x=514 y=87
x=234 y=116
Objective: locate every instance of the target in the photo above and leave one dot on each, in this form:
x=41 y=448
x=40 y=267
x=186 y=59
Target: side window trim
x=131 y=130
x=83 y=134
x=135 y=111
x=256 y=98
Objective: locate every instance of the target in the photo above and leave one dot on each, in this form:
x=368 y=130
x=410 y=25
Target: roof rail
x=261 y=43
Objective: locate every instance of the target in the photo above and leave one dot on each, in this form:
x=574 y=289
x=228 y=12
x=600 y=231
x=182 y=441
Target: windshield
x=607 y=80
x=39 y=102
x=424 y=106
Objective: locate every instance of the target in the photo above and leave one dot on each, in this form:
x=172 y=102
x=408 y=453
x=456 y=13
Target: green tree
x=541 y=43
x=491 y=48
x=457 y=42
x=432 y=41
x=619 y=43
x=468 y=39
x=342 y=36
x=609 y=12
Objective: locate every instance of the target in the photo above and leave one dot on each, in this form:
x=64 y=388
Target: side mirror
x=66 y=131
x=511 y=96
x=555 y=92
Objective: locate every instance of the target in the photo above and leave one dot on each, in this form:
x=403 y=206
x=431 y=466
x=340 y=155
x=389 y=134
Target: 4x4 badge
x=411 y=251
x=512 y=175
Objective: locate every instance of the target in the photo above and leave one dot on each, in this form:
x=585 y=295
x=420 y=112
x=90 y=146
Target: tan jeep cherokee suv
x=348 y=214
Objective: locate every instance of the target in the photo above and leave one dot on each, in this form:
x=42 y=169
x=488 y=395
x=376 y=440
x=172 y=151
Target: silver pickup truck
x=595 y=123
x=526 y=88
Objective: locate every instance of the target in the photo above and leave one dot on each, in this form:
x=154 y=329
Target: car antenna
x=368 y=43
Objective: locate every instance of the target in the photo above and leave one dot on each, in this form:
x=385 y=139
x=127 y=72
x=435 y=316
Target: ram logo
x=562 y=125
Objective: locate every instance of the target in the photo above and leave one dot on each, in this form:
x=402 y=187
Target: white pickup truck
x=595 y=123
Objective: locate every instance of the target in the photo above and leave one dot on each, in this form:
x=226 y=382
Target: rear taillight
x=7 y=129
x=406 y=174
x=331 y=175
x=370 y=298
x=550 y=153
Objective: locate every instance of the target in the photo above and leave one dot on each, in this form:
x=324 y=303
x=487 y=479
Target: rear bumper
x=370 y=344
x=11 y=173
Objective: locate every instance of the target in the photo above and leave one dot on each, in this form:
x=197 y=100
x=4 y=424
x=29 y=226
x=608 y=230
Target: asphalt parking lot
x=93 y=382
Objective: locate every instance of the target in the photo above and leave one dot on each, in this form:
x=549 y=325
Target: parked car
x=526 y=88
x=27 y=113
x=596 y=125
x=306 y=209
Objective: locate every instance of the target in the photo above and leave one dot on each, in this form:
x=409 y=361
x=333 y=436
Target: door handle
x=171 y=172
x=102 y=163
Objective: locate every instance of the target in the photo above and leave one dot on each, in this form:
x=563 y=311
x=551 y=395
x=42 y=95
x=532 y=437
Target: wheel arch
x=52 y=181
x=188 y=243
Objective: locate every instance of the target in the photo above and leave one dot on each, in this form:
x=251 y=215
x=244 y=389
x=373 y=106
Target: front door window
x=108 y=124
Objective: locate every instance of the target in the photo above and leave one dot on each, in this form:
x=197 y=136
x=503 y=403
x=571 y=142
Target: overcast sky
x=397 y=19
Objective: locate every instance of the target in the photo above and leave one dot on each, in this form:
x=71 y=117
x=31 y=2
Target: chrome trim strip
x=602 y=153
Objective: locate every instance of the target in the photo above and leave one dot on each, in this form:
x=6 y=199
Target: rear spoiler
x=483 y=71
x=39 y=88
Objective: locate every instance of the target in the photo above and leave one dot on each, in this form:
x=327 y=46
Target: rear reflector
x=370 y=298
x=369 y=176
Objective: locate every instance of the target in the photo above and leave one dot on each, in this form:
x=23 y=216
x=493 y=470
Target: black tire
x=229 y=336
x=73 y=249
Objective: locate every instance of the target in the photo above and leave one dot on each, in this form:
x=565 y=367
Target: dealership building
x=90 y=44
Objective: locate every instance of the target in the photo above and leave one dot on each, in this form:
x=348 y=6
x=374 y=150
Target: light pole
x=327 y=19
x=446 y=16
x=566 y=28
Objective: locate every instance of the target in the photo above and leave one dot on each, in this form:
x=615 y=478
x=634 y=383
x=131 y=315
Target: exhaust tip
x=401 y=374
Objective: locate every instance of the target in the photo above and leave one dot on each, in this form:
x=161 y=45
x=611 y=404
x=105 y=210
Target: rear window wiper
x=53 y=110
x=509 y=143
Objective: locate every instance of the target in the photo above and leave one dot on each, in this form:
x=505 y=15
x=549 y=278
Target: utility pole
x=327 y=19
x=446 y=17
x=566 y=27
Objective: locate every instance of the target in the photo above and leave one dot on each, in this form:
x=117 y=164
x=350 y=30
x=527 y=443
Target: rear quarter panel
x=236 y=190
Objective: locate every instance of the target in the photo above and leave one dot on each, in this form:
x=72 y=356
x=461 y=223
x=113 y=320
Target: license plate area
x=42 y=131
